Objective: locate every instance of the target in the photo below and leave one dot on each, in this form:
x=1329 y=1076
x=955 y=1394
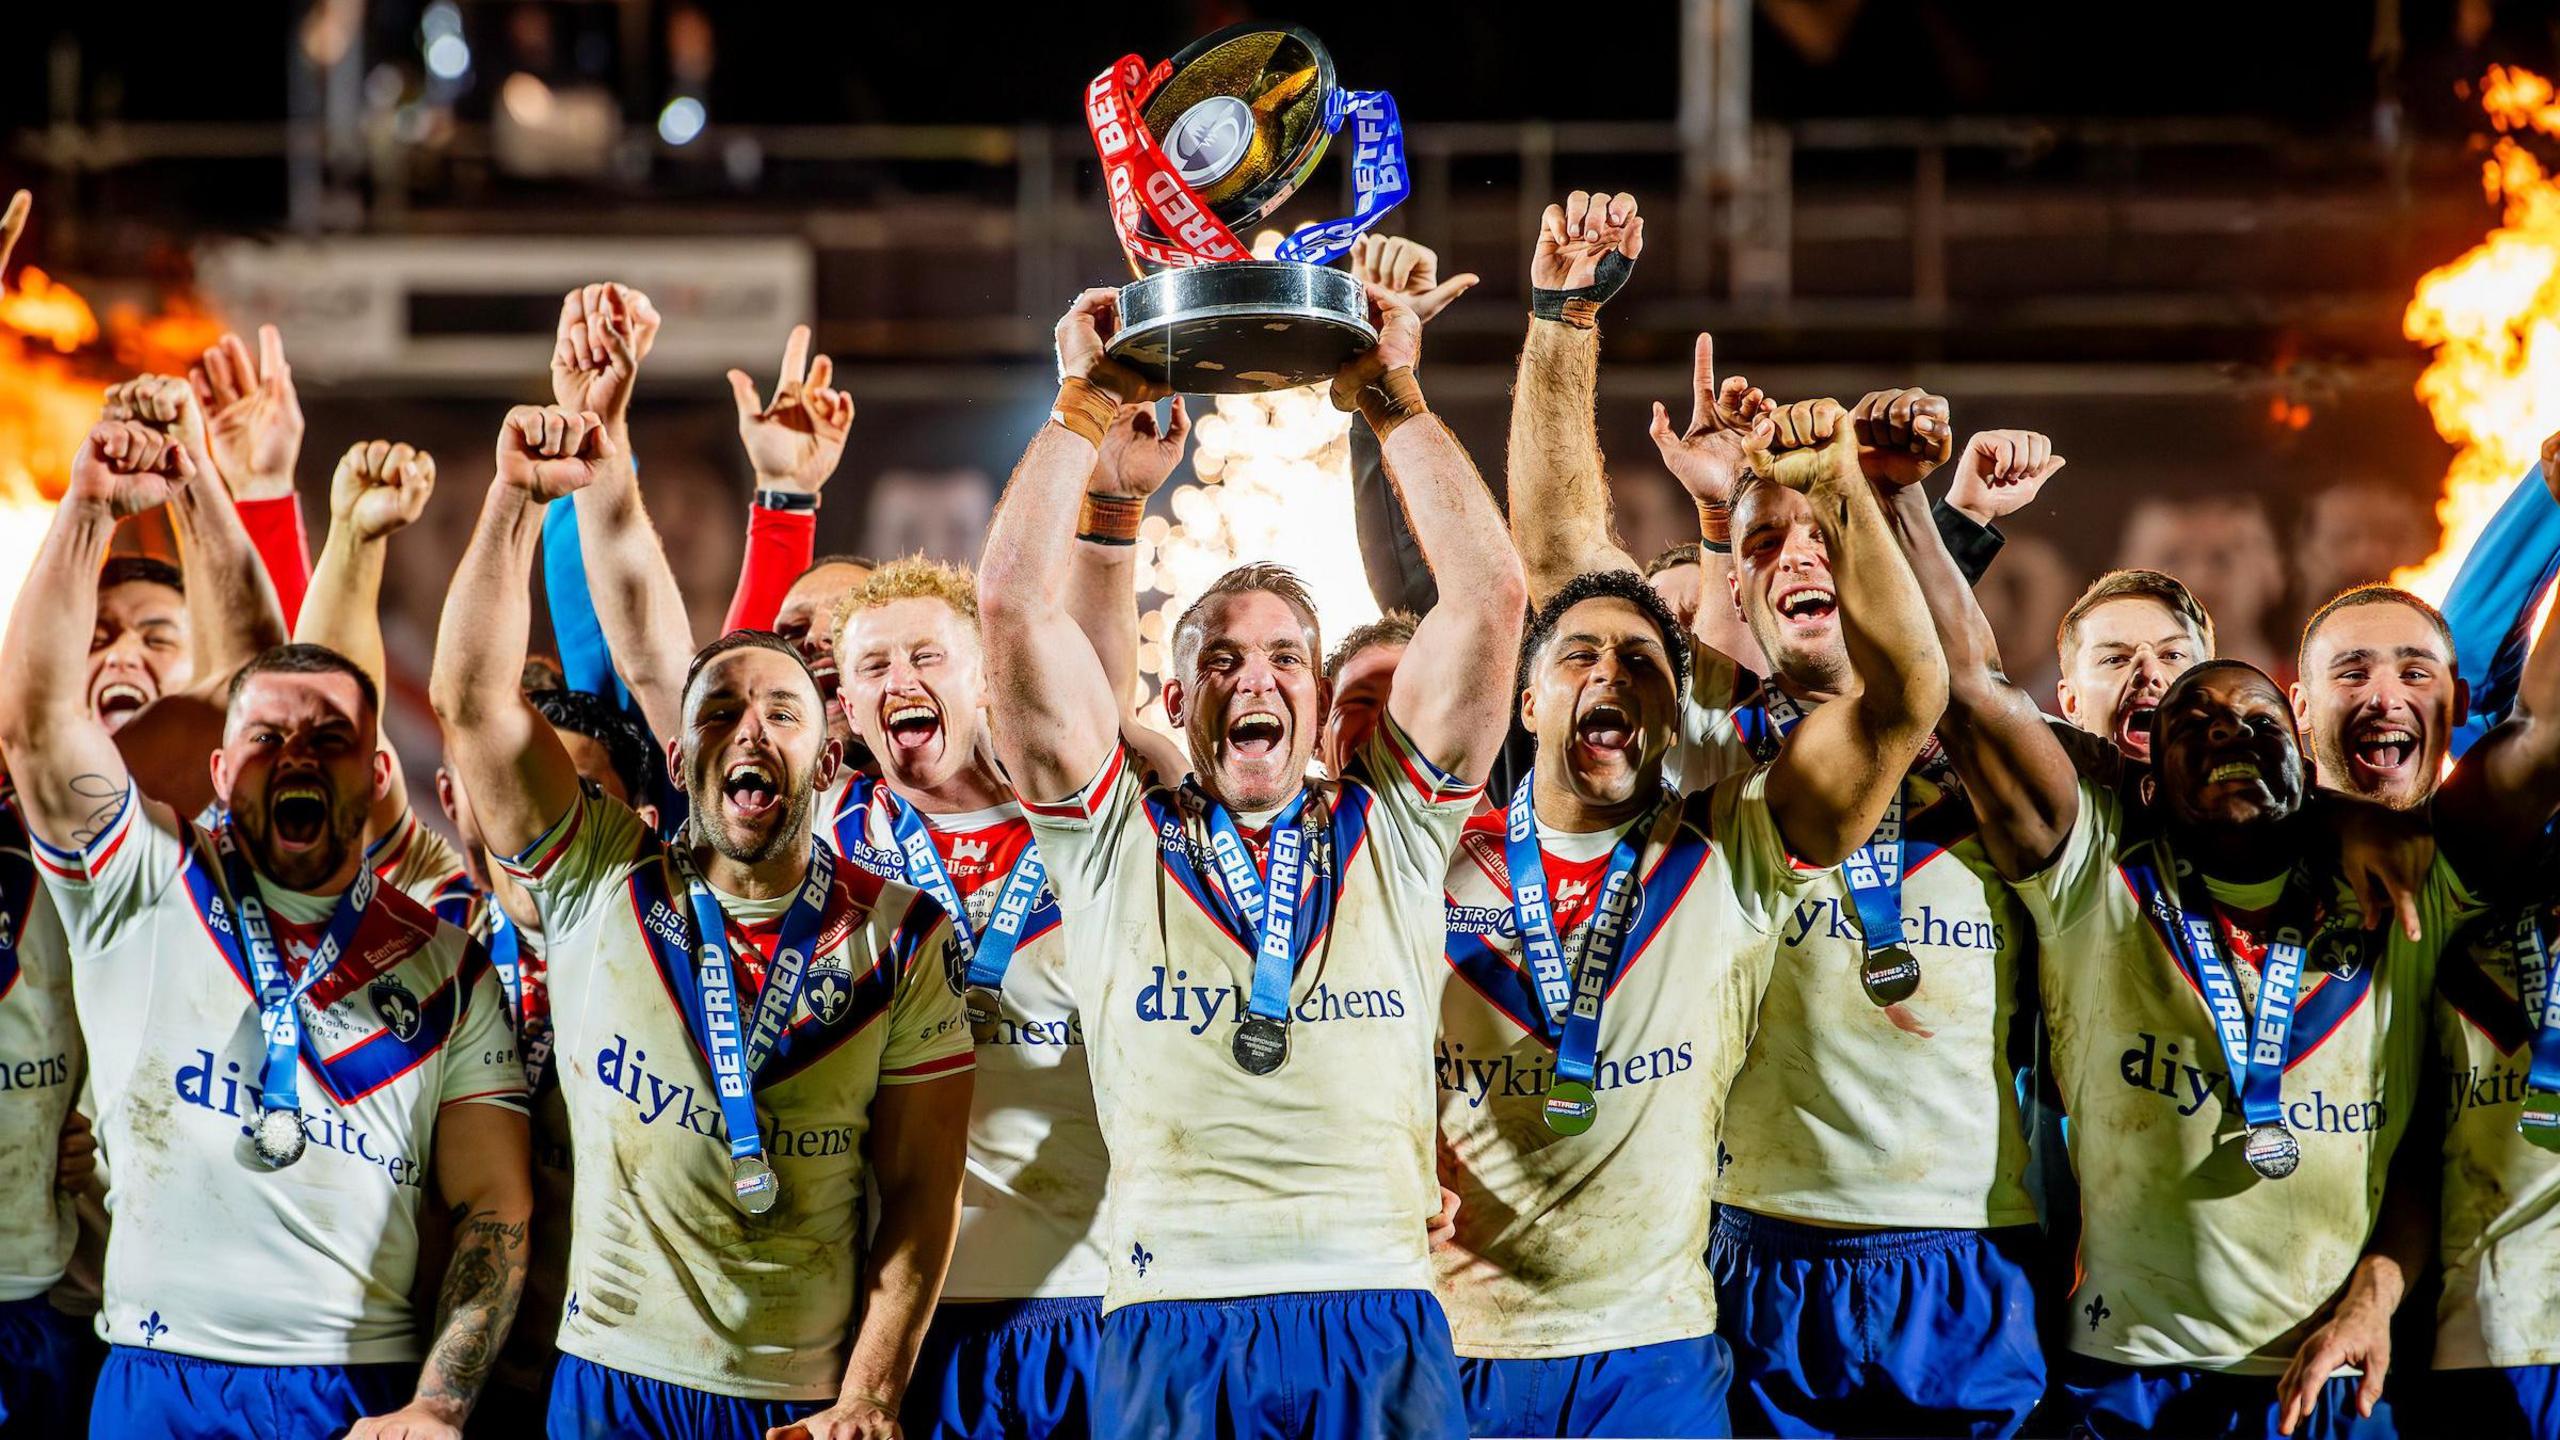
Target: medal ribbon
x=735 y=1058
x=1136 y=174
x=1270 y=911
x=1379 y=180
x=2533 y=987
x=1874 y=870
x=1573 y=1008
x=991 y=954
x=2255 y=1051
x=280 y=994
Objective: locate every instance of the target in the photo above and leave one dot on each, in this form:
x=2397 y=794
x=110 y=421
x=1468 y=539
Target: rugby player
x=1255 y=955
x=747 y=1031
x=266 y=1203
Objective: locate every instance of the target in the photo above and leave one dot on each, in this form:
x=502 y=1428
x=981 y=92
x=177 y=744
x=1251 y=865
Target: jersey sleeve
x=111 y=882
x=580 y=862
x=275 y=532
x=1767 y=880
x=928 y=1026
x=1076 y=835
x=1421 y=807
x=779 y=546
x=1710 y=745
x=481 y=1066
x=2069 y=890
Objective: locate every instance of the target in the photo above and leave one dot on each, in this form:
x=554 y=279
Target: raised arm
x=1559 y=490
x=1707 y=458
x=2503 y=793
x=794 y=444
x=1838 y=771
x=484 y=1169
x=1137 y=455
x=1399 y=578
x=380 y=486
x=232 y=612
x=69 y=776
x=1452 y=689
x=253 y=423
x=916 y=1152
x=2022 y=785
x=605 y=332
x=520 y=779
x=1056 y=719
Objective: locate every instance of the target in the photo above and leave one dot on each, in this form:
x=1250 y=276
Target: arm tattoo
x=481 y=1287
x=106 y=794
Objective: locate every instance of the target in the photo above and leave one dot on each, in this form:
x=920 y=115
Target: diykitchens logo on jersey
x=222 y=1092
x=1826 y=918
x=1175 y=1000
x=2158 y=1067
x=1525 y=1074
x=623 y=1068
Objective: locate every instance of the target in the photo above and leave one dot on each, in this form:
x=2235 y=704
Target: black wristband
x=785 y=500
x=1973 y=546
x=1611 y=277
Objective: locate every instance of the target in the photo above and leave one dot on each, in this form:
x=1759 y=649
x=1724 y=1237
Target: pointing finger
x=271 y=363
x=1702 y=383
x=795 y=356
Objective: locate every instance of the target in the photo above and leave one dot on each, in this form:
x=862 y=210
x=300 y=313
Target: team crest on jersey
x=829 y=988
x=397 y=1007
x=2339 y=946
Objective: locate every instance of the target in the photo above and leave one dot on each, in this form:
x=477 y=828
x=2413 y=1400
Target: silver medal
x=2272 y=1151
x=754 y=1184
x=278 y=1138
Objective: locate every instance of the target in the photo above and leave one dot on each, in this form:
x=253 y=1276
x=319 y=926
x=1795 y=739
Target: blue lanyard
x=735 y=1058
x=2533 y=989
x=1270 y=911
x=1379 y=178
x=1574 y=1005
x=280 y=994
x=1874 y=871
x=506 y=955
x=989 y=954
x=2255 y=1050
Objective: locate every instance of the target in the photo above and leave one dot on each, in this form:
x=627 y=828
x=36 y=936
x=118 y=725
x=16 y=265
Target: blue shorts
x=46 y=1370
x=1674 y=1388
x=1005 y=1370
x=154 y=1392
x=592 y=1402
x=1876 y=1332
x=1340 y=1363
x=2519 y=1402
x=2104 y=1400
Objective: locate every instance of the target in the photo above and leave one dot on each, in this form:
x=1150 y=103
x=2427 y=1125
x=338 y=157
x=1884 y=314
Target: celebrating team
x=866 y=1023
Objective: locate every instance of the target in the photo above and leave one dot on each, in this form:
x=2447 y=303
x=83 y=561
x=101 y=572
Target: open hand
x=380 y=486
x=1408 y=268
x=858 y=1419
x=548 y=452
x=1709 y=456
x=1138 y=454
x=410 y=1422
x=129 y=467
x=2357 y=1333
x=253 y=418
x=795 y=442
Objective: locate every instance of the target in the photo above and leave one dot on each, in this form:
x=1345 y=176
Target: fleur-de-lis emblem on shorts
x=2096 y=1310
x=1142 y=1257
x=152 y=1329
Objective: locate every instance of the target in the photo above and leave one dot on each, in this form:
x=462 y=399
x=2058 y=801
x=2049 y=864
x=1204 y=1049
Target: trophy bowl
x=1213 y=142
x=1244 y=327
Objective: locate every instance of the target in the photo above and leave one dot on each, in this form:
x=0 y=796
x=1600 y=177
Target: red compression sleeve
x=275 y=529
x=780 y=544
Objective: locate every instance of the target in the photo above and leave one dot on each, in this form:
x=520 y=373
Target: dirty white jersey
x=421 y=864
x=41 y=1063
x=2187 y=1256
x=668 y=1277
x=1576 y=1244
x=1318 y=1176
x=210 y=1253
x=1031 y=1206
x=2500 y=1216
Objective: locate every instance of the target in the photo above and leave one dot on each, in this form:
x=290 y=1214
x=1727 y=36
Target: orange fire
x=2493 y=320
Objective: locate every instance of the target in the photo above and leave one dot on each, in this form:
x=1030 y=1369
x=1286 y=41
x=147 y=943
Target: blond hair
x=912 y=577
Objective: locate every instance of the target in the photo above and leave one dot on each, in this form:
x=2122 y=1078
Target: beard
x=711 y=823
x=309 y=868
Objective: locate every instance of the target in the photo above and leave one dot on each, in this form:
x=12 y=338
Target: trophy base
x=1242 y=327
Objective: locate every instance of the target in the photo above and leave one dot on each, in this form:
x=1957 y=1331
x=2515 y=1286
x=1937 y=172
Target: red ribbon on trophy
x=1136 y=174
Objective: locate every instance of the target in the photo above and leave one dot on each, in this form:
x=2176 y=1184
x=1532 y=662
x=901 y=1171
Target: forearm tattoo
x=481 y=1287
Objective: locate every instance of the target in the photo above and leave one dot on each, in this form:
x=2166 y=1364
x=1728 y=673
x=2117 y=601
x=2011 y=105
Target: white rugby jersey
x=1904 y=1117
x=41 y=1063
x=419 y=863
x=2187 y=1257
x=2500 y=1221
x=1032 y=1204
x=668 y=1278
x=1318 y=1176
x=1575 y=1244
x=210 y=1253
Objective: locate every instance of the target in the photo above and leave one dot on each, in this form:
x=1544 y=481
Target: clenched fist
x=1807 y=445
x=1574 y=238
x=795 y=442
x=380 y=486
x=1902 y=435
x=548 y=452
x=2000 y=473
x=253 y=418
x=605 y=332
x=129 y=467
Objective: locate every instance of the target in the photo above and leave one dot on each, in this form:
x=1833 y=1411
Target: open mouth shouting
x=2383 y=754
x=750 y=792
x=118 y=701
x=911 y=726
x=298 y=815
x=1604 y=734
x=2133 y=726
x=1256 y=736
x=1806 y=607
